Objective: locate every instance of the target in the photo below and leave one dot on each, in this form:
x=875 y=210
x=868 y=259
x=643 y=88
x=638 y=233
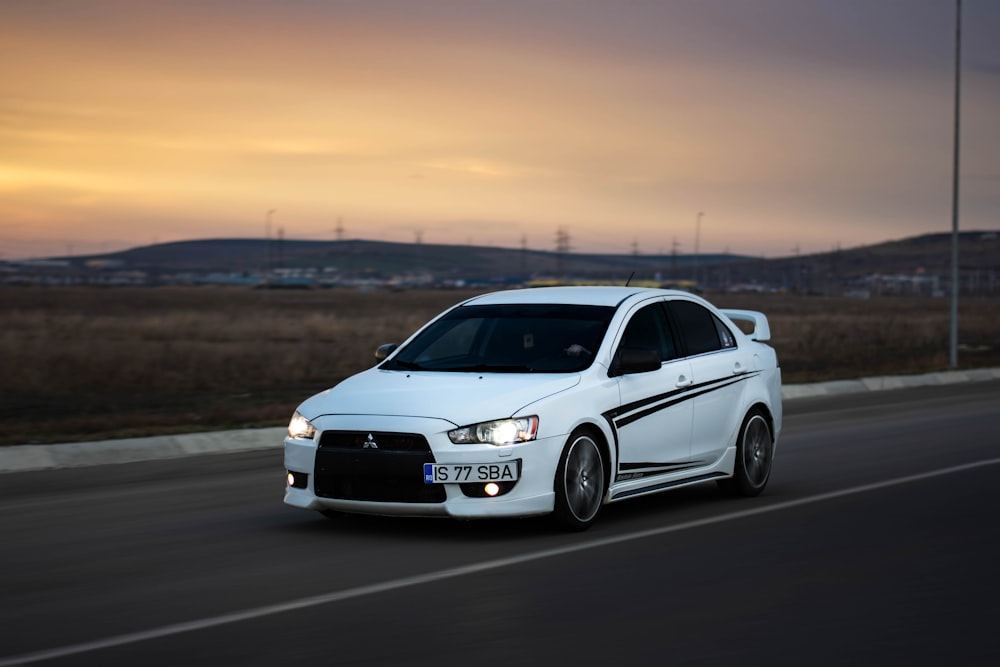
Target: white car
x=552 y=400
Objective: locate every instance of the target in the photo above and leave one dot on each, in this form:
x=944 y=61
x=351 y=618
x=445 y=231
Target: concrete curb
x=22 y=458
x=25 y=458
x=888 y=382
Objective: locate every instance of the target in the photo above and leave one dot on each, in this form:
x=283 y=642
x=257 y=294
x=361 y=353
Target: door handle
x=739 y=369
x=683 y=382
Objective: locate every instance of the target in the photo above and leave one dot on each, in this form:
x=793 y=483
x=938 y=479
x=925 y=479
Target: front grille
x=374 y=466
x=392 y=442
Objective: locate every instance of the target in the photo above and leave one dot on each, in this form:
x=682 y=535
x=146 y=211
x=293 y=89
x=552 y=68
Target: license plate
x=478 y=473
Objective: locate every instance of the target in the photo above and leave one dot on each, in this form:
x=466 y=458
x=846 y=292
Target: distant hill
x=928 y=256
x=378 y=258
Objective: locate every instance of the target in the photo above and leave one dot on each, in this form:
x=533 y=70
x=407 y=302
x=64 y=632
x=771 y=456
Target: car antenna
x=631 y=276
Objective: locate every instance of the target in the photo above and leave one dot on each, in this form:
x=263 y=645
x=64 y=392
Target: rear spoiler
x=761 y=329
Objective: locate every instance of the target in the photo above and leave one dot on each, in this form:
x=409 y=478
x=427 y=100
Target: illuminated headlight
x=300 y=428
x=500 y=432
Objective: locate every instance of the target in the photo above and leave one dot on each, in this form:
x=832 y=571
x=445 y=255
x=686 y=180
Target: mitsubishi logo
x=370 y=443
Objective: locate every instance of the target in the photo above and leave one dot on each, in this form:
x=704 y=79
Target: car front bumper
x=532 y=493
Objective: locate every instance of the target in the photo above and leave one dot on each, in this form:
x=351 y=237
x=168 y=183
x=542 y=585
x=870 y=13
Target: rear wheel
x=754 y=455
x=579 y=482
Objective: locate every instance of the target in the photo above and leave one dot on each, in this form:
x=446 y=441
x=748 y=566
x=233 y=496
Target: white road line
x=431 y=577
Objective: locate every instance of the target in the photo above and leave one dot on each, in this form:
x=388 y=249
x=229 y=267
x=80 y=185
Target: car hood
x=460 y=398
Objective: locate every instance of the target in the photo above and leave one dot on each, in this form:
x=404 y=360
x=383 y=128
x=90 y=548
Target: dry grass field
x=87 y=363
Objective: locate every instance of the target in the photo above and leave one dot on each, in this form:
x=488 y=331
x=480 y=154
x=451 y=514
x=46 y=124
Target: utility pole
x=697 y=238
x=562 y=247
x=281 y=247
x=797 y=270
x=267 y=236
x=673 y=259
x=953 y=334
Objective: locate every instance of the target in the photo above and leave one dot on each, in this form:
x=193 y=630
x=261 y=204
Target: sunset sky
x=793 y=125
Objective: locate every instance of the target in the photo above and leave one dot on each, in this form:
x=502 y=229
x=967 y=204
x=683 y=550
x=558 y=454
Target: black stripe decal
x=691 y=393
x=640 y=470
x=667 y=485
x=635 y=405
x=683 y=394
x=659 y=466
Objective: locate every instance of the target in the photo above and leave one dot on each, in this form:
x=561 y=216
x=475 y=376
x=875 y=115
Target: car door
x=718 y=371
x=653 y=422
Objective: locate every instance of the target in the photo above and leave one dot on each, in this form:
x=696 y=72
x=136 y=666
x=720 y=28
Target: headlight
x=500 y=432
x=300 y=428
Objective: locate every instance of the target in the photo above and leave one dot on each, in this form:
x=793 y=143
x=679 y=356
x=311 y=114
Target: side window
x=648 y=330
x=698 y=326
x=725 y=334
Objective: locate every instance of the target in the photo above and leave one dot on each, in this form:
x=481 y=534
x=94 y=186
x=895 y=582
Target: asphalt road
x=877 y=542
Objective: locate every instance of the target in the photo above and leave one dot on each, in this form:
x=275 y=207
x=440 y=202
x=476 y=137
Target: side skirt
x=719 y=469
x=663 y=486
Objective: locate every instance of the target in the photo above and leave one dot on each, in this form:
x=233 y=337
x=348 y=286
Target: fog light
x=297 y=480
x=492 y=489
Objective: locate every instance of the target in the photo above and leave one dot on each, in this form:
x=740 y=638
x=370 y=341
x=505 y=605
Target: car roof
x=572 y=295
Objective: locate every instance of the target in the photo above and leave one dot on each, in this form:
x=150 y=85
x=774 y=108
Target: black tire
x=579 y=482
x=754 y=456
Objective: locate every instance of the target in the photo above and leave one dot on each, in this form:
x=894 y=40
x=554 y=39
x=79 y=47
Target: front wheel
x=754 y=455
x=579 y=483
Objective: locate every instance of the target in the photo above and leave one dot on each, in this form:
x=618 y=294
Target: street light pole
x=953 y=334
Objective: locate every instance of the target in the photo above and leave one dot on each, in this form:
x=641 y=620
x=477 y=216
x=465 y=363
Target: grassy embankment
x=84 y=363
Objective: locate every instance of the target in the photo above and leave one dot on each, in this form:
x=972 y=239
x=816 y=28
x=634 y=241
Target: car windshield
x=530 y=338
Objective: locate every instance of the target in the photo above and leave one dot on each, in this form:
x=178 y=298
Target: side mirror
x=635 y=360
x=384 y=351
